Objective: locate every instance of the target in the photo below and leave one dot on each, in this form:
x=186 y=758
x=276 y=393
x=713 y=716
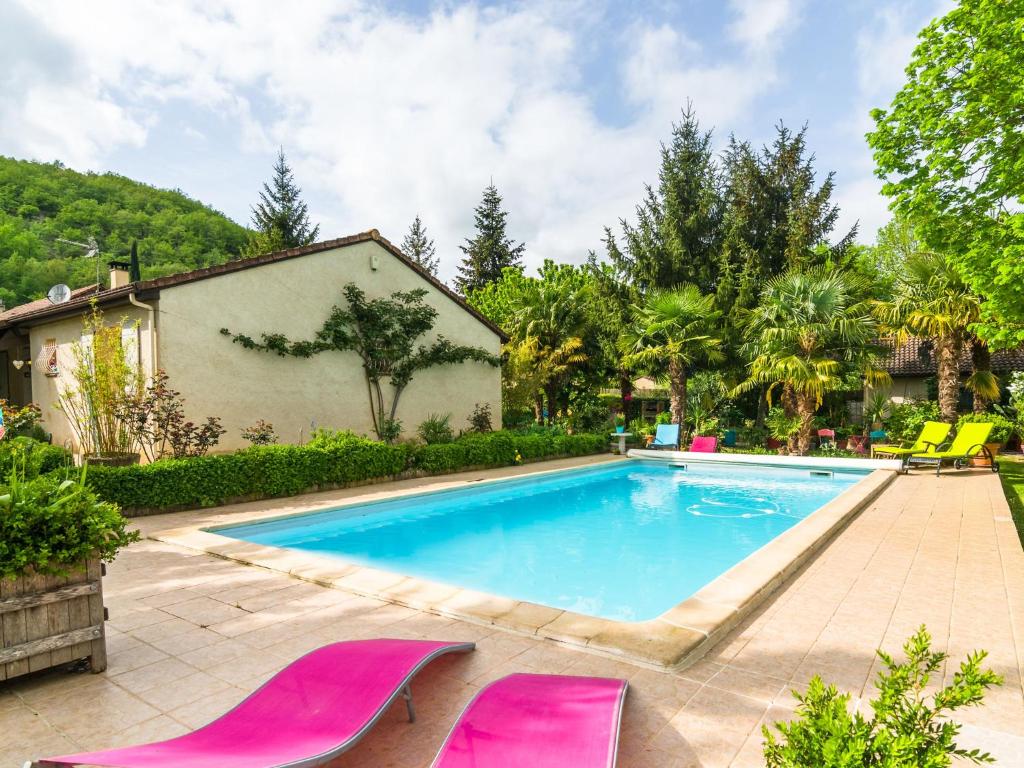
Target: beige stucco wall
x=902 y=389
x=67 y=332
x=293 y=297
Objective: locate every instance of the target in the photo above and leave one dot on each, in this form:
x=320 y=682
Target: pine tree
x=491 y=251
x=677 y=235
x=281 y=218
x=420 y=248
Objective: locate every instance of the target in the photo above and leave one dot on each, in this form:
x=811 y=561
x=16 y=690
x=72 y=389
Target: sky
x=387 y=110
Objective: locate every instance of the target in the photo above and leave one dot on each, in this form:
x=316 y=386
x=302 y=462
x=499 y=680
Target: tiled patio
x=190 y=634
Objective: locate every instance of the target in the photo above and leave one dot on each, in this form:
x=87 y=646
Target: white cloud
x=384 y=115
x=761 y=25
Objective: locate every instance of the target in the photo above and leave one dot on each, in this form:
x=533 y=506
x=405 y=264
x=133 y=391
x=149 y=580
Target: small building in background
x=174 y=322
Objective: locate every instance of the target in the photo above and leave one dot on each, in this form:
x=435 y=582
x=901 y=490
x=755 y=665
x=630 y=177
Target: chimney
x=119 y=273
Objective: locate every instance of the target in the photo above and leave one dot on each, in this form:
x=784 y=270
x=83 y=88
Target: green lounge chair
x=969 y=442
x=933 y=433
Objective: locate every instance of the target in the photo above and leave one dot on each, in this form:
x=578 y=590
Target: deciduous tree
x=950 y=147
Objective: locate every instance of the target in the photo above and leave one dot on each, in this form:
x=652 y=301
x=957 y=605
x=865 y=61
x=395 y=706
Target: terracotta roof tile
x=24 y=310
x=916 y=358
x=81 y=297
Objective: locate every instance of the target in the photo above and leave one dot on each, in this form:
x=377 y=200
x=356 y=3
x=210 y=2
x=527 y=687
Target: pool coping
x=674 y=640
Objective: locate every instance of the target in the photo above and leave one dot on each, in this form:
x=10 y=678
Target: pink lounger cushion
x=313 y=709
x=538 y=721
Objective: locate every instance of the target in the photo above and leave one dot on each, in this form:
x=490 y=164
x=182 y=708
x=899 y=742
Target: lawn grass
x=1011 y=472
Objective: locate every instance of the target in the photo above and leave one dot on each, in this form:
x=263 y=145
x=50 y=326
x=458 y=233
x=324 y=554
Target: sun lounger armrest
x=936 y=447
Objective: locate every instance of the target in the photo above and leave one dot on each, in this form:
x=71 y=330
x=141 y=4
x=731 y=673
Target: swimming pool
x=625 y=542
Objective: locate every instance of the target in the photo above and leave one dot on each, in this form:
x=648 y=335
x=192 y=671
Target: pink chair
x=305 y=715
x=703 y=444
x=826 y=436
x=538 y=721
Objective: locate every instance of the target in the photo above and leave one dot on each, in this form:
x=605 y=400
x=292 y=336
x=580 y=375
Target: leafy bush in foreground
x=907 y=730
x=51 y=523
x=30 y=457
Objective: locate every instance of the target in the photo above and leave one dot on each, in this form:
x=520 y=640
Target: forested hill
x=41 y=202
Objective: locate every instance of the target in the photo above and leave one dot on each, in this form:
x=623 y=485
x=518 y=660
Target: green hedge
x=259 y=472
x=331 y=460
x=498 y=449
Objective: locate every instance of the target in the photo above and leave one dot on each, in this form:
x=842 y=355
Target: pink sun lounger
x=705 y=444
x=538 y=721
x=305 y=715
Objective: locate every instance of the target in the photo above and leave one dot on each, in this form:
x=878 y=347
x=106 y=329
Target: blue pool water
x=625 y=542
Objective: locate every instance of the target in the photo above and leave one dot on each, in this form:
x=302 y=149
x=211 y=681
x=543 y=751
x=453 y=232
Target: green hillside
x=41 y=202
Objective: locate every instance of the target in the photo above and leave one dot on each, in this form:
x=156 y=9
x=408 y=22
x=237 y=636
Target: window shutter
x=130 y=345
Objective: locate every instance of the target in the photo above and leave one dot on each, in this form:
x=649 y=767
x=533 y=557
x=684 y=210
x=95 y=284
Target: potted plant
x=102 y=381
x=620 y=422
x=1002 y=428
x=842 y=437
x=54 y=535
x=876 y=411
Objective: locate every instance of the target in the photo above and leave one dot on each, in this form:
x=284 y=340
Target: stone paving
x=190 y=634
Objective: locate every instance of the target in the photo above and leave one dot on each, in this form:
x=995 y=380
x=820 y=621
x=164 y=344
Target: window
x=46 y=360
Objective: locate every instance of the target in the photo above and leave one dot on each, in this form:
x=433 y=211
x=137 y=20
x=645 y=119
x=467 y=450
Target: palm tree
x=933 y=302
x=810 y=332
x=669 y=333
x=547 y=328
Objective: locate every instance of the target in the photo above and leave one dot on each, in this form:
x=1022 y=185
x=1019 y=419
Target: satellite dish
x=59 y=294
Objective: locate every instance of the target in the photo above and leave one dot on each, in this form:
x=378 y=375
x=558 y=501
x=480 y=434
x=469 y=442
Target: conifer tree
x=491 y=250
x=420 y=248
x=134 y=269
x=281 y=218
x=677 y=235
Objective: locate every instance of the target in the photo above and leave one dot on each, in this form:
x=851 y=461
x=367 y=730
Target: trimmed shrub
x=498 y=449
x=257 y=472
x=330 y=459
x=1002 y=427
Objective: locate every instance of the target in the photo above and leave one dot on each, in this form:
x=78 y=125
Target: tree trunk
x=677 y=393
x=790 y=408
x=552 y=397
x=981 y=362
x=626 y=391
x=762 y=407
x=538 y=408
x=806 y=408
x=947 y=363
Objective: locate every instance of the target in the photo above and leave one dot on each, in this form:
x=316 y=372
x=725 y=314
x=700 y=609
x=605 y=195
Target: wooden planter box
x=48 y=621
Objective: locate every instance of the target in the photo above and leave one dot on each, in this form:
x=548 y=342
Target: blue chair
x=729 y=440
x=666 y=436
